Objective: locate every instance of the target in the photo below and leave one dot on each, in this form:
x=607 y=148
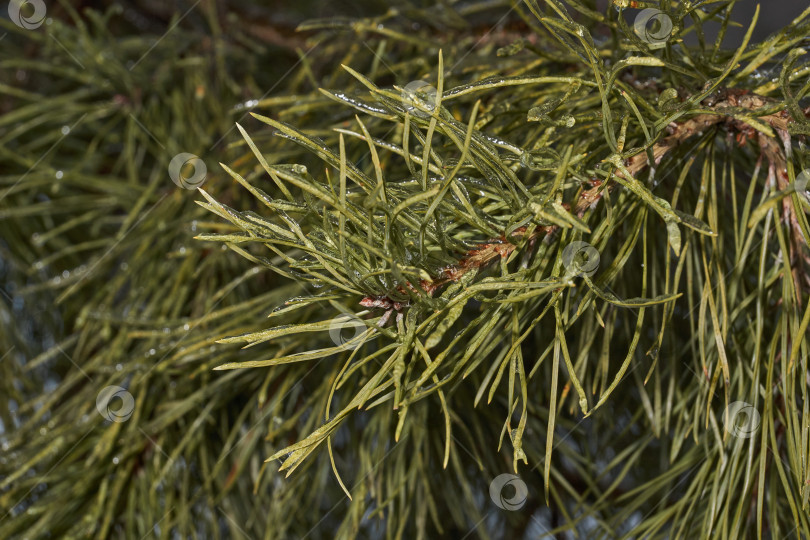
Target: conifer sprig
x=570 y=247
x=482 y=221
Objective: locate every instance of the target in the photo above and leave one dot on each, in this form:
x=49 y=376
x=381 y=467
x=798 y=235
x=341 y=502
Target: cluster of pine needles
x=430 y=174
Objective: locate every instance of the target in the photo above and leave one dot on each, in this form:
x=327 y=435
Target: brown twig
x=720 y=103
